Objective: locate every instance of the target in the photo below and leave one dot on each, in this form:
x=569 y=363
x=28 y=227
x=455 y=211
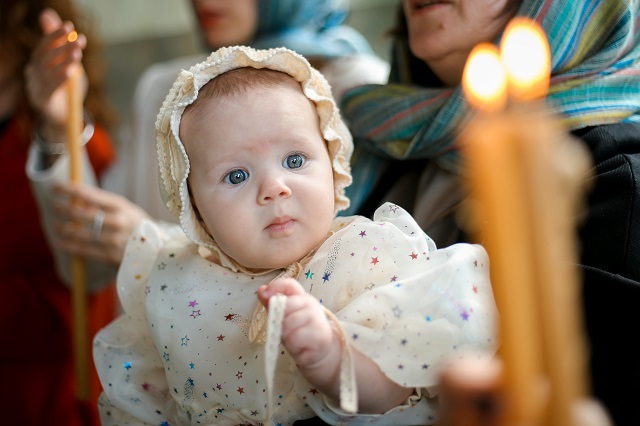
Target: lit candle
x=554 y=165
x=525 y=173
x=79 y=293
x=484 y=79
x=527 y=59
x=492 y=145
x=527 y=201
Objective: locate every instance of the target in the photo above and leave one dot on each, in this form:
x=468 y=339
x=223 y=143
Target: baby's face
x=261 y=176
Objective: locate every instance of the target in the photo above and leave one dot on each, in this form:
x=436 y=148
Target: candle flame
x=73 y=36
x=527 y=59
x=484 y=78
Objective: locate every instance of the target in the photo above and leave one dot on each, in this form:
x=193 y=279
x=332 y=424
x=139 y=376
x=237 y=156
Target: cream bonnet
x=174 y=163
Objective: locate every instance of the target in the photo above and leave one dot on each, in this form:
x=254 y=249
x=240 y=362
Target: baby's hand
x=306 y=332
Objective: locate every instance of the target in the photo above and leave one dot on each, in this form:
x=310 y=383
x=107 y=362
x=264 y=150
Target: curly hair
x=20 y=34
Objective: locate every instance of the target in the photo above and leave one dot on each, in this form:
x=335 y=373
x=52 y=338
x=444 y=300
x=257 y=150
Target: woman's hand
x=50 y=66
x=78 y=228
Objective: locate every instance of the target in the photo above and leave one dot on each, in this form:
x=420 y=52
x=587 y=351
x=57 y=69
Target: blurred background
x=134 y=38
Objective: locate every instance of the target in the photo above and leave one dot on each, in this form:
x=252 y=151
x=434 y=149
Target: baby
x=254 y=159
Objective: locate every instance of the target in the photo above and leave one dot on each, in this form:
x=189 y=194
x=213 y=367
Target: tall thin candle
x=79 y=294
x=525 y=172
x=555 y=167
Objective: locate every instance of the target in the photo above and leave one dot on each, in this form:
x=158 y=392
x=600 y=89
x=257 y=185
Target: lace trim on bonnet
x=173 y=160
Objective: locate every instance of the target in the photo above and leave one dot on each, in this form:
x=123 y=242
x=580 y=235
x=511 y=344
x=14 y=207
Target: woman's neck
x=449 y=69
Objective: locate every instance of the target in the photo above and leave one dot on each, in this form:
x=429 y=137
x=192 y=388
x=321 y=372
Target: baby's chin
x=274 y=262
x=270 y=266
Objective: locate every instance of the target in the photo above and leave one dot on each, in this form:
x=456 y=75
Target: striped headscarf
x=313 y=28
x=595 y=80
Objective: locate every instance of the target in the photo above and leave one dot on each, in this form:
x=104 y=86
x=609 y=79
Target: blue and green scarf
x=313 y=28
x=595 y=80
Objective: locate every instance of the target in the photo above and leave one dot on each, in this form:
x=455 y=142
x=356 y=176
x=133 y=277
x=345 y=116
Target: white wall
x=129 y=20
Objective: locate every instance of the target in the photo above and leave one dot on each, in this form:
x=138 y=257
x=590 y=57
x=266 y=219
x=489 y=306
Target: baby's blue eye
x=236 y=177
x=294 y=161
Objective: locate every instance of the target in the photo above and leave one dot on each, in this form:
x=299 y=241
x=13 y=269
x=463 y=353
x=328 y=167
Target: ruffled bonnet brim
x=174 y=162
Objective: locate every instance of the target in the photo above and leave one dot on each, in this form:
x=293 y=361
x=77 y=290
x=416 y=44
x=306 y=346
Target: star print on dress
x=215 y=373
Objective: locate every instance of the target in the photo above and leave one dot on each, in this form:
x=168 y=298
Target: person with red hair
x=36 y=362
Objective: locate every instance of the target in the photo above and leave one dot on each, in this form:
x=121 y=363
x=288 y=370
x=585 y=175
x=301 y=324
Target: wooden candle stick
x=79 y=293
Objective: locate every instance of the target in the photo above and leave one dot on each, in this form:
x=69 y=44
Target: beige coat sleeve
x=98 y=274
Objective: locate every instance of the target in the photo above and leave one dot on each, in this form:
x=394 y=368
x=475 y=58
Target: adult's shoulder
x=608 y=140
x=158 y=78
x=346 y=72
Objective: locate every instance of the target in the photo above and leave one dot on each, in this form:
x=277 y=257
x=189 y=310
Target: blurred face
x=261 y=176
x=442 y=33
x=226 y=22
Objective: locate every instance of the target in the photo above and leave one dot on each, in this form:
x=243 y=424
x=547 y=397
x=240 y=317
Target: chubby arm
x=308 y=336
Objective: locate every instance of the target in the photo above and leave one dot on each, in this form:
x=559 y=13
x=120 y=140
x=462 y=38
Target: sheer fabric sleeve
x=129 y=365
x=404 y=304
x=42 y=178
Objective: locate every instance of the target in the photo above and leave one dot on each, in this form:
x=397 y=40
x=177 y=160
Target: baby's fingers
x=286 y=286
